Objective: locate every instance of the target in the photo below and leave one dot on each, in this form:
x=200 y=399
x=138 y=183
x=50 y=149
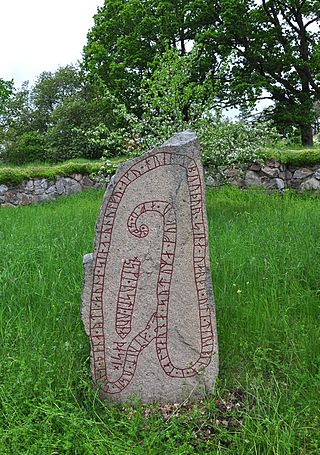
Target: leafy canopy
x=5 y=92
x=251 y=50
x=271 y=50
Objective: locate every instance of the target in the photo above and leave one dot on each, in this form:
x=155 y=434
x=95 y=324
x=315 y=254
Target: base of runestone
x=147 y=302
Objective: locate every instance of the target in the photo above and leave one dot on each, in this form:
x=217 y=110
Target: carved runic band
x=157 y=326
x=127 y=296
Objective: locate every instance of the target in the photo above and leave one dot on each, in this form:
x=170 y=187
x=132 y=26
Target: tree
x=20 y=141
x=272 y=52
x=17 y=110
x=51 y=89
x=121 y=46
x=6 y=88
x=128 y=36
x=50 y=120
x=172 y=98
x=252 y=49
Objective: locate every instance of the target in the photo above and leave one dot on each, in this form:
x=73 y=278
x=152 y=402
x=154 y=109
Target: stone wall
x=40 y=189
x=270 y=175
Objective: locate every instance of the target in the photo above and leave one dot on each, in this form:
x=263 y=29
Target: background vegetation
x=153 y=67
x=265 y=267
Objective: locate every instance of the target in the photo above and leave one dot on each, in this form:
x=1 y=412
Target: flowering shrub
x=172 y=102
x=106 y=170
x=225 y=142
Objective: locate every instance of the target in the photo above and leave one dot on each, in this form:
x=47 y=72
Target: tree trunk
x=182 y=41
x=306 y=135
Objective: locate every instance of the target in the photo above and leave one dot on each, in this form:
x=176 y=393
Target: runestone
x=147 y=301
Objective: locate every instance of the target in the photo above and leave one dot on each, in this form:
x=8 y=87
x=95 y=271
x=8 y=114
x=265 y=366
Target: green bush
x=28 y=147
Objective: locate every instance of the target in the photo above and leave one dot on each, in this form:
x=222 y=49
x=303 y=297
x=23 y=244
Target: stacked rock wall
x=270 y=175
x=40 y=189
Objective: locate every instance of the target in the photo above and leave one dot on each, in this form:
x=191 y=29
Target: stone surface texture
x=302 y=173
x=270 y=171
x=311 y=184
x=252 y=178
x=147 y=303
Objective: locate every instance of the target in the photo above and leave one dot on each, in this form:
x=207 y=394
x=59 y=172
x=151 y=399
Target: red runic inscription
x=127 y=295
x=126 y=353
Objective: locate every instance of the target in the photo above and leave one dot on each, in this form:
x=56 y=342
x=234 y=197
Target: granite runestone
x=147 y=301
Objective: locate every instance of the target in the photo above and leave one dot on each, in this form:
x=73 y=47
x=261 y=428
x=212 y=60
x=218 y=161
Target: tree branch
x=315 y=19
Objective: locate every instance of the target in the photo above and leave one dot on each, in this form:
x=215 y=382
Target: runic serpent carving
x=157 y=326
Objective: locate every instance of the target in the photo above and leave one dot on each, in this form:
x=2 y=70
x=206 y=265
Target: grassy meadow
x=265 y=257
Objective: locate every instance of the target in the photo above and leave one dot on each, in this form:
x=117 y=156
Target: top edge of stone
x=179 y=139
x=186 y=141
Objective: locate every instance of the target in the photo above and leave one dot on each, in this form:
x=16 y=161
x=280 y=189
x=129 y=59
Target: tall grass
x=265 y=254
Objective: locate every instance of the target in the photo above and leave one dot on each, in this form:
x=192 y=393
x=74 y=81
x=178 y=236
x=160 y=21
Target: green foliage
x=265 y=267
x=154 y=67
x=128 y=36
x=248 y=50
x=66 y=136
x=114 y=137
x=26 y=147
x=5 y=92
x=50 y=90
x=51 y=120
x=225 y=142
x=172 y=102
x=270 y=51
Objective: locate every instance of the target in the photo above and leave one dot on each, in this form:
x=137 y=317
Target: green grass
x=293 y=154
x=265 y=252
x=41 y=164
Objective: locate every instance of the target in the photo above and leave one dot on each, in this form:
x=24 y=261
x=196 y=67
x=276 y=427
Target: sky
x=41 y=35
